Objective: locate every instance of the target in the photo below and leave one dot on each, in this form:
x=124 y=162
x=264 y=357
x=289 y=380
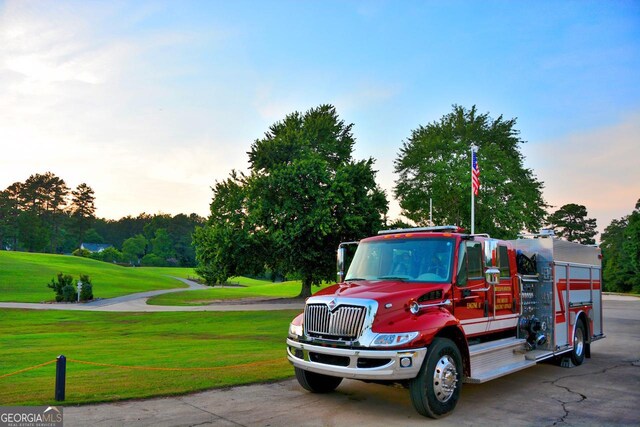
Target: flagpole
x=473 y=196
x=430 y=211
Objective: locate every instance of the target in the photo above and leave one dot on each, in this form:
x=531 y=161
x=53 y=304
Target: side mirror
x=342 y=255
x=492 y=276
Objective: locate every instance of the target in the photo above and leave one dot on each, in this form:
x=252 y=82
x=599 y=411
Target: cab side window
x=503 y=261
x=474 y=253
x=469 y=262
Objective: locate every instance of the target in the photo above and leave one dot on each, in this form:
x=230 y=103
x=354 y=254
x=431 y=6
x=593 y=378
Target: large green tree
x=621 y=253
x=571 y=223
x=229 y=244
x=434 y=163
x=631 y=248
x=304 y=194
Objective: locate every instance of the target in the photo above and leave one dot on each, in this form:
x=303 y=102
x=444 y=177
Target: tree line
x=304 y=193
x=151 y=240
x=621 y=252
x=42 y=214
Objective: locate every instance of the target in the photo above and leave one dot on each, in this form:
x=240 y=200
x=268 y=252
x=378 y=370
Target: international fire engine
x=432 y=308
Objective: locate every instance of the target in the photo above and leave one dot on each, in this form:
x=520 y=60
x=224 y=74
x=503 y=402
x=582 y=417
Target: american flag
x=475 y=174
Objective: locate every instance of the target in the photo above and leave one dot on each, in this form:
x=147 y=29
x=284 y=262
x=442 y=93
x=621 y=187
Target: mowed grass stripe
x=24 y=276
x=182 y=272
x=241 y=347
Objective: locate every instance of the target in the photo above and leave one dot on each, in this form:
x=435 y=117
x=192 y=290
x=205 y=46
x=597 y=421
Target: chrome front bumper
x=357 y=364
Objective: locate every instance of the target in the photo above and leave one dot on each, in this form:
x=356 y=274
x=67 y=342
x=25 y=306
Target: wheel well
x=582 y=317
x=457 y=336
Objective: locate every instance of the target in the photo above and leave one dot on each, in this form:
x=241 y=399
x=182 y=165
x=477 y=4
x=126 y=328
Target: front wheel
x=436 y=389
x=317 y=383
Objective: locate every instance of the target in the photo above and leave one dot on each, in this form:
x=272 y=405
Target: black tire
x=436 y=389
x=579 y=344
x=317 y=383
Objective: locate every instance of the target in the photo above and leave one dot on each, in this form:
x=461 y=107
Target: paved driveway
x=605 y=390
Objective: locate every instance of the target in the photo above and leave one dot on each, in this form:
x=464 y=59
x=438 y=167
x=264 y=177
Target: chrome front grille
x=344 y=322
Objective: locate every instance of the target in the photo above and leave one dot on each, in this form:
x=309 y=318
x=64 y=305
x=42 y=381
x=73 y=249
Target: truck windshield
x=413 y=260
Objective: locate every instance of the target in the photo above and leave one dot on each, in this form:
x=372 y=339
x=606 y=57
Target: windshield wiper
x=354 y=279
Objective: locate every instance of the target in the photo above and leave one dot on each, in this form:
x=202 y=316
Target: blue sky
x=151 y=102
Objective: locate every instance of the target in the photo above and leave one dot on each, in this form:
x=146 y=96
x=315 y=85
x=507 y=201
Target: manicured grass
x=182 y=272
x=24 y=276
x=248 y=281
x=234 y=347
x=251 y=289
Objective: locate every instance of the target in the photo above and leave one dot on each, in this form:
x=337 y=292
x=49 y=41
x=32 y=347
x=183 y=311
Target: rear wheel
x=436 y=389
x=317 y=383
x=579 y=344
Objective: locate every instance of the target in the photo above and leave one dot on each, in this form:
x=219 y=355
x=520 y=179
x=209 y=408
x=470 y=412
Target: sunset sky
x=151 y=102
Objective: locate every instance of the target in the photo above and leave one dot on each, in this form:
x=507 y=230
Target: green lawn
x=234 y=348
x=24 y=276
x=182 y=272
x=251 y=289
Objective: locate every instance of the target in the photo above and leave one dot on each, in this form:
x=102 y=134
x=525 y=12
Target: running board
x=497 y=358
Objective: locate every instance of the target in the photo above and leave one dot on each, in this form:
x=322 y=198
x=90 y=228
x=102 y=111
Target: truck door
x=471 y=293
x=502 y=307
x=504 y=292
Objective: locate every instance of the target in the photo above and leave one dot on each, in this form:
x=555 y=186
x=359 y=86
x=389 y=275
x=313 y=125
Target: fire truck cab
x=433 y=307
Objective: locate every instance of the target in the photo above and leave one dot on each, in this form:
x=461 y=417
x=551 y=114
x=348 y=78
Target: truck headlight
x=295 y=331
x=388 y=340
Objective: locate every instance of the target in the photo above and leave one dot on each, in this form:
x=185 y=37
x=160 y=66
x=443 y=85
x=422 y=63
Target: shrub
x=68 y=293
x=81 y=253
x=153 y=260
x=86 y=293
x=65 y=289
x=111 y=254
x=95 y=255
x=58 y=285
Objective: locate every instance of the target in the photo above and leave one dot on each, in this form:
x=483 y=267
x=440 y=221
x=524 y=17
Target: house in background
x=95 y=247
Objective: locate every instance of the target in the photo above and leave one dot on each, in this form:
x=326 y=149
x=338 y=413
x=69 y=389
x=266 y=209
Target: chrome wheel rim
x=445 y=378
x=578 y=342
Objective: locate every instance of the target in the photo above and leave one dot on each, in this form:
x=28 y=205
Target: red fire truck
x=433 y=307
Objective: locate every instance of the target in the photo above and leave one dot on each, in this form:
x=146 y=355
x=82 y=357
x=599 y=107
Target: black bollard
x=61 y=374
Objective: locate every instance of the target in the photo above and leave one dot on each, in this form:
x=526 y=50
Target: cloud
x=100 y=106
x=597 y=168
x=55 y=45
